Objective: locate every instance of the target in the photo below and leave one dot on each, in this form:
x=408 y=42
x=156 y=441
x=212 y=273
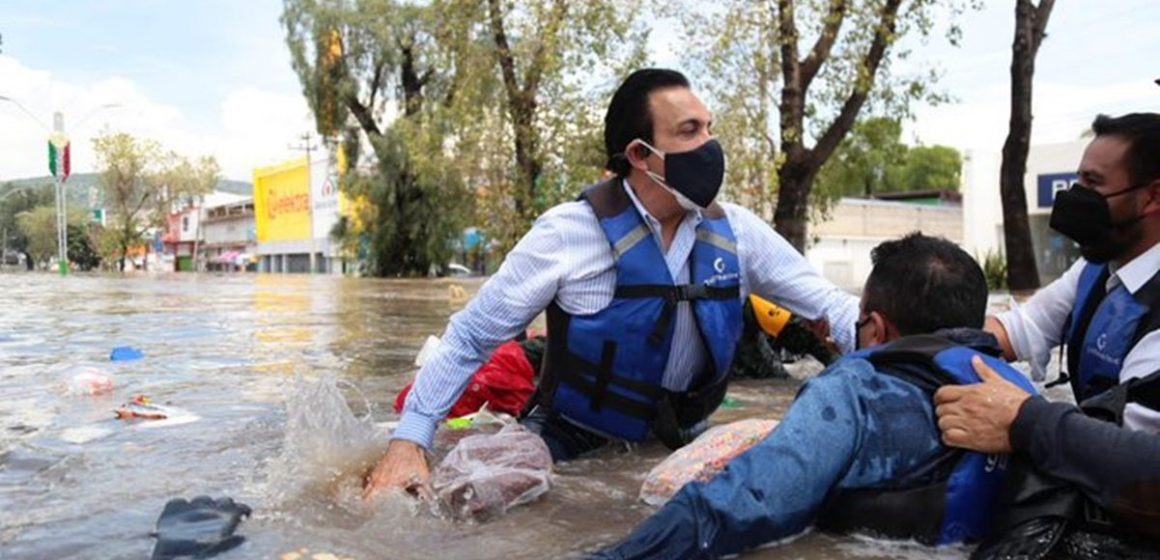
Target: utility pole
x=308 y=146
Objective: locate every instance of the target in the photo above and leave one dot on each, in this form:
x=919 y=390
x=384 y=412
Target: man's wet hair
x=628 y=116
x=1142 y=131
x=923 y=283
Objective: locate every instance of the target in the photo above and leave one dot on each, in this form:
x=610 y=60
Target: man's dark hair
x=923 y=284
x=1142 y=131
x=628 y=116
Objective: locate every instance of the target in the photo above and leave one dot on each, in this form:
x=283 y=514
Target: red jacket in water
x=504 y=383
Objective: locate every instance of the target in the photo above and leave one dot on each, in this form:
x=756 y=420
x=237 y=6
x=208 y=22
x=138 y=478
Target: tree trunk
x=1030 y=22
x=529 y=166
x=793 y=203
x=802 y=164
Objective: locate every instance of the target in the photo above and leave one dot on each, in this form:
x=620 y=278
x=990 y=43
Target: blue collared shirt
x=565 y=257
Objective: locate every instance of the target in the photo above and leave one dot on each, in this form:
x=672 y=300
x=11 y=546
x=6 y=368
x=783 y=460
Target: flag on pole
x=59 y=156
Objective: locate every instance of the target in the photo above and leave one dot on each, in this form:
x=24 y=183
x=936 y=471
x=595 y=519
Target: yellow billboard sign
x=282 y=201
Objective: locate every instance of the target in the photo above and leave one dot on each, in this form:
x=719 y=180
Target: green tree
x=828 y=60
x=931 y=168
x=544 y=49
x=458 y=100
x=81 y=248
x=873 y=160
x=38 y=226
x=15 y=200
x=391 y=70
x=142 y=183
x=867 y=162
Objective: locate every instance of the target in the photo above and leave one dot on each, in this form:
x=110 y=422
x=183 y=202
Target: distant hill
x=78 y=186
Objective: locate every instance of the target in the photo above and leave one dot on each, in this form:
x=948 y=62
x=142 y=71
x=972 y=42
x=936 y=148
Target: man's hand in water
x=979 y=417
x=404 y=467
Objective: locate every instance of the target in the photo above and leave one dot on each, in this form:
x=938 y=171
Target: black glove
x=198 y=528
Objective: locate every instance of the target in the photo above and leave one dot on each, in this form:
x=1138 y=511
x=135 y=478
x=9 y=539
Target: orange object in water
x=141 y=406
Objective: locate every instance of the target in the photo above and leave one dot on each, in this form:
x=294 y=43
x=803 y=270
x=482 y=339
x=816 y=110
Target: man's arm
x=504 y=306
x=995 y=327
x=772 y=491
x=1117 y=466
x=1030 y=331
x=774 y=270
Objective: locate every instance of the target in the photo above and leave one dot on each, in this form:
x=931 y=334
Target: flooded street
x=278 y=371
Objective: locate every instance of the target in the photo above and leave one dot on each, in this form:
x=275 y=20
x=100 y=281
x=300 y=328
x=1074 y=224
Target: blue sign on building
x=1051 y=183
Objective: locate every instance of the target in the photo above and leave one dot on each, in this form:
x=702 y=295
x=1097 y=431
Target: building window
x=184 y=224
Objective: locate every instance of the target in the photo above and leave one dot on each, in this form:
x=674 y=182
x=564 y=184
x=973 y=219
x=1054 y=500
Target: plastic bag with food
x=703 y=458
x=484 y=475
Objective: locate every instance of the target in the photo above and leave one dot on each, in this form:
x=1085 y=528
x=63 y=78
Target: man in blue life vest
x=1104 y=311
x=642 y=280
x=859 y=449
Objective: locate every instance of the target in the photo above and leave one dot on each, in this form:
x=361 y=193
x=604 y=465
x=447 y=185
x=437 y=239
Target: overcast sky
x=213 y=76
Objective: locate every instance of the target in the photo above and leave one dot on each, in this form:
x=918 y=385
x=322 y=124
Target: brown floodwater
x=287 y=383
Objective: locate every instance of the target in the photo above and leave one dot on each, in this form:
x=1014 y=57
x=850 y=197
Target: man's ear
x=881 y=330
x=1152 y=199
x=637 y=153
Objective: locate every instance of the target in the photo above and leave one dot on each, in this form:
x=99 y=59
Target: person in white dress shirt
x=642 y=279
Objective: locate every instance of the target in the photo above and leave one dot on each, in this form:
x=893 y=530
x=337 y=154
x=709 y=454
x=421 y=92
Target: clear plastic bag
x=703 y=458
x=486 y=474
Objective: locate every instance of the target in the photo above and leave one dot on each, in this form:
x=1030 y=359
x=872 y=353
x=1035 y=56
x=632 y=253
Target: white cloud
x=253 y=127
x=1061 y=112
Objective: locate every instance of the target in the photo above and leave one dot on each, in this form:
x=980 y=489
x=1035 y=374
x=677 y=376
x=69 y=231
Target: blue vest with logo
x=604 y=371
x=951 y=498
x=1104 y=327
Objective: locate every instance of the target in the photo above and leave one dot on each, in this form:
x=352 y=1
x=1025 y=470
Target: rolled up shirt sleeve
x=523 y=287
x=1036 y=327
x=774 y=270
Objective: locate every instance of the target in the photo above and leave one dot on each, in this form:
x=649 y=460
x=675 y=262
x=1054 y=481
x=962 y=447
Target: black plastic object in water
x=198 y=528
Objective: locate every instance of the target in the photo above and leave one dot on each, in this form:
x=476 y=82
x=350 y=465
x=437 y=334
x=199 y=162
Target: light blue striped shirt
x=566 y=257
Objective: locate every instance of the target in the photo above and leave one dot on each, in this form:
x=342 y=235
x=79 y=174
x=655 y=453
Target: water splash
x=326 y=449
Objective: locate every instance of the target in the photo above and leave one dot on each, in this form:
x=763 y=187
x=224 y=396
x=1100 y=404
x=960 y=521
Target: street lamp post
x=59 y=164
x=59 y=156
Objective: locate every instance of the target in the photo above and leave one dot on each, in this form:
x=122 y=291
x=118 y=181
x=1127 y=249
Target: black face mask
x=1083 y=215
x=696 y=174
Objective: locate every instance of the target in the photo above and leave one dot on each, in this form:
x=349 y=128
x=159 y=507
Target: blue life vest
x=604 y=371
x=1104 y=327
x=953 y=497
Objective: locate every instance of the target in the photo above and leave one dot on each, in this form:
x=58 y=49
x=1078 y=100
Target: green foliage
x=788 y=80
x=82 y=250
x=38 y=227
x=376 y=75
x=995 y=269
x=873 y=160
x=142 y=183
x=734 y=51
x=931 y=168
x=868 y=161
x=15 y=200
x=479 y=111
